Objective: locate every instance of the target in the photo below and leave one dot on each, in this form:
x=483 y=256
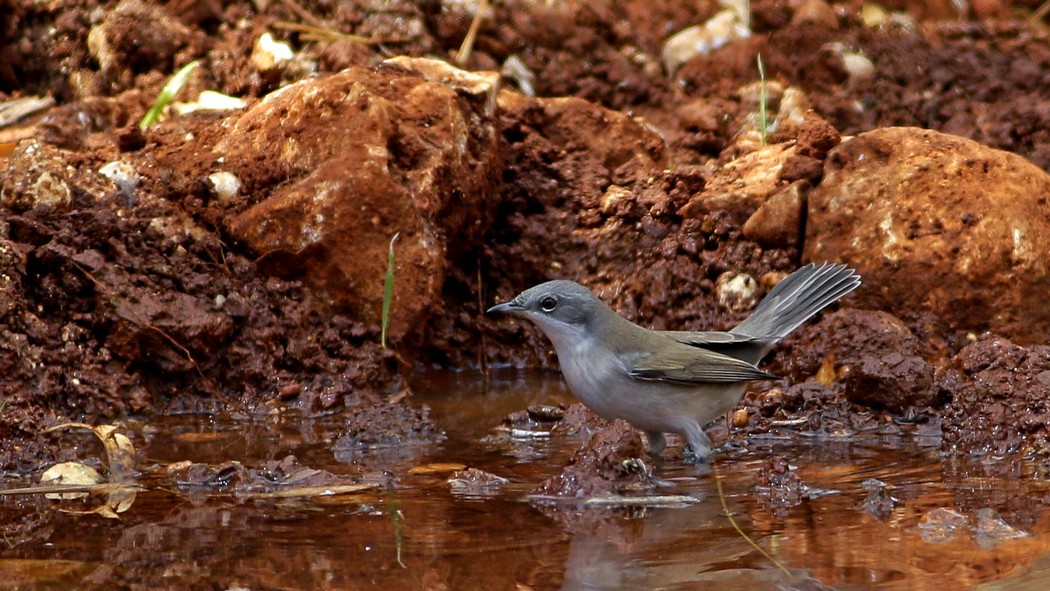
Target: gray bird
x=670 y=381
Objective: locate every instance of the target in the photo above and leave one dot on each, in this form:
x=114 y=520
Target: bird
x=670 y=381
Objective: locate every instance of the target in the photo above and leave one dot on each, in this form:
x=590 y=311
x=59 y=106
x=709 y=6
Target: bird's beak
x=506 y=308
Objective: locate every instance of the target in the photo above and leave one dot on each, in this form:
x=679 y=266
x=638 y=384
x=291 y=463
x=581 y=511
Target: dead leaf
x=438 y=468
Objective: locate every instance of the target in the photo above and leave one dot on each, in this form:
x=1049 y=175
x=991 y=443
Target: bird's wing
x=709 y=338
x=739 y=346
x=684 y=364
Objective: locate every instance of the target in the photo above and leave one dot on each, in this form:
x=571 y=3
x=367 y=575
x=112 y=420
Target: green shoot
x=3 y=405
x=397 y=518
x=167 y=93
x=729 y=516
x=763 y=116
x=388 y=290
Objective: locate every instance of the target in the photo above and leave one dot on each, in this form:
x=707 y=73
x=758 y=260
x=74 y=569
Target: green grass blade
x=388 y=290
x=167 y=93
x=763 y=117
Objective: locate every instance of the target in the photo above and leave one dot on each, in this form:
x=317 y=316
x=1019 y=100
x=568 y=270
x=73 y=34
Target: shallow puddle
x=850 y=533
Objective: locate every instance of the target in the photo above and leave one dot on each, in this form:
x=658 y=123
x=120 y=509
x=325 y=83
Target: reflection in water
x=498 y=540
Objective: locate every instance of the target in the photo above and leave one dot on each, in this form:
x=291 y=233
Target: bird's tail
x=796 y=298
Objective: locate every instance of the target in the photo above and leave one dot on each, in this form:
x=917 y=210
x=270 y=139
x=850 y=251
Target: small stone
x=941 y=525
x=741 y=418
x=991 y=529
x=121 y=173
x=778 y=221
x=225 y=185
x=702 y=39
x=268 y=52
x=816 y=12
x=736 y=291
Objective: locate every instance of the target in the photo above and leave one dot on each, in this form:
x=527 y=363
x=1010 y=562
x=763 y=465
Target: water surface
x=417 y=533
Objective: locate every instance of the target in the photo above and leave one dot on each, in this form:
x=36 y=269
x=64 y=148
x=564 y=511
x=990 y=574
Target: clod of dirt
x=277 y=478
x=999 y=396
x=386 y=426
x=939 y=227
x=874 y=355
x=475 y=482
x=138 y=37
x=611 y=463
x=880 y=501
x=537 y=419
x=579 y=420
x=778 y=486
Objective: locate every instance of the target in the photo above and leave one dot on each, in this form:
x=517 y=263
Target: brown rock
x=341 y=163
x=802 y=168
x=778 y=222
x=937 y=225
x=743 y=184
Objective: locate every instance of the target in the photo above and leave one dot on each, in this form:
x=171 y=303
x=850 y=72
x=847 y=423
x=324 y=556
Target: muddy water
x=420 y=534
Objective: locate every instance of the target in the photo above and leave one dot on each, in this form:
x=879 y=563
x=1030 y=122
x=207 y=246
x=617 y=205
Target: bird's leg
x=699 y=449
x=657 y=443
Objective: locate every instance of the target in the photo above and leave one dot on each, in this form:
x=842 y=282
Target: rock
x=340 y=163
x=736 y=291
x=742 y=185
x=817 y=12
x=787 y=109
x=873 y=354
x=938 y=226
x=942 y=524
x=720 y=29
x=36 y=176
x=1000 y=397
x=990 y=529
x=778 y=221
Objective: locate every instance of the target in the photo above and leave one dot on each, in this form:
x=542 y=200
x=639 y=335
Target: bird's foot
x=657 y=443
x=698 y=456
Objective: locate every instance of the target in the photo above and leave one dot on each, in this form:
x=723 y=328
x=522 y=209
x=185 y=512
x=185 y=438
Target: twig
x=302 y=13
x=318 y=33
x=729 y=516
x=1039 y=12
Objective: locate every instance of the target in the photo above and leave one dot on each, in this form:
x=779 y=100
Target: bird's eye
x=548 y=304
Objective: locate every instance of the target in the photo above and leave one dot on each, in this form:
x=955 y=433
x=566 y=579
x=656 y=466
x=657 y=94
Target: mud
x=612 y=462
x=998 y=395
x=153 y=293
x=877 y=360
